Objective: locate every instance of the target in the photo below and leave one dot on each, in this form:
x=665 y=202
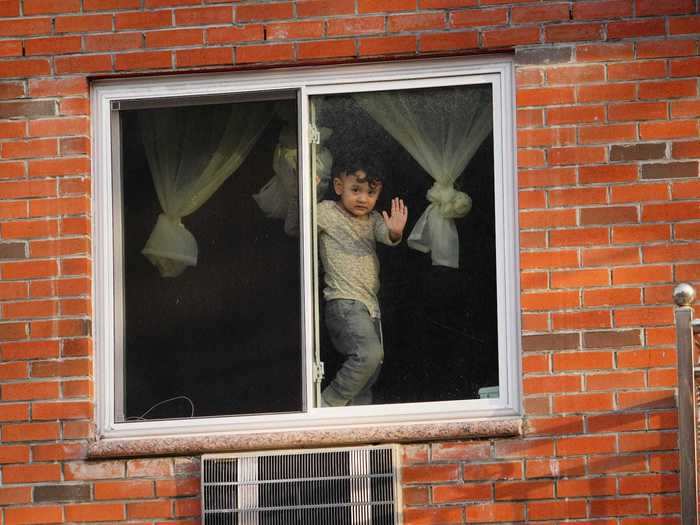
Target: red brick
x=59 y=127
x=149 y=509
x=264 y=53
x=612 y=381
x=114 y=42
x=416 y=22
x=652 y=7
x=577 y=155
x=557 y=136
x=550 y=301
x=30 y=309
x=463 y=492
x=604 y=52
x=91 y=512
x=515 y=490
x=355 y=26
x=448 y=41
x=203 y=57
x=551 y=384
x=572 y=488
x=532 y=280
x=606 y=92
x=25 y=189
x=294 y=30
x=151 y=468
x=103 y=5
x=607 y=134
x=545 y=96
x=666 y=48
x=268 y=11
x=580 y=278
x=430 y=473
x=505 y=38
x=234 y=35
x=59 y=452
x=330 y=49
x=58 y=328
x=146 y=20
x=577 y=197
x=387 y=45
x=676 y=211
x=669 y=130
x=59 y=167
x=548 y=177
x=582 y=360
x=168 y=3
x=15 y=495
x=529 y=77
x=109 y=490
x=637 y=70
x=11 y=48
x=608 y=215
x=611 y=297
x=325 y=7
x=83 y=23
x=636 y=28
x=685 y=190
x=495 y=512
x=174 y=37
x=143 y=60
x=62 y=410
x=74 y=146
x=83 y=64
x=377 y=6
x=31 y=473
x=547 y=218
x=525 y=448
x=687 y=67
x=78 y=430
x=599 y=402
x=644 y=441
x=545 y=13
x=492 y=471
x=74 y=106
x=650 y=399
x=36 y=514
x=177 y=487
x=479 y=18
x=14 y=454
x=460 y=450
x=684 y=25
x=639 y=193
x=52 y=46
x=42 y=7
x=602 y=10
x=549 y=259
x=645 y=358
x=573 y=32
x=94 y=470
x=12 y=290
x=643 y=317
x=9 y=8
x=28 y=26
x=641 y=275
x=575 y=115
x=59 y=207
x=427 y=516
x=578 y=237
x=685 y=108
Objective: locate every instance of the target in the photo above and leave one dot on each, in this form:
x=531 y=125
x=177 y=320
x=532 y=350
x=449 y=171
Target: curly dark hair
x=372 y=171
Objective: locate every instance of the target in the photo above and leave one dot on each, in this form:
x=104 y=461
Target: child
x=348 y=229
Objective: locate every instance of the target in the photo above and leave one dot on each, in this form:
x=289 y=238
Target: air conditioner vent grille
x=311 y=487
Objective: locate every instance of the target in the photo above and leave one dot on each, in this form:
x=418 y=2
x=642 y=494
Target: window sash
x=107 y=243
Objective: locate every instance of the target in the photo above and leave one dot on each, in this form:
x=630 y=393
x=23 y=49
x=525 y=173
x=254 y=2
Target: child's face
x=357 y=196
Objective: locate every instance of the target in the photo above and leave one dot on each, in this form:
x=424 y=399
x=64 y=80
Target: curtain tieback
x=450 y=203
x=171 y=247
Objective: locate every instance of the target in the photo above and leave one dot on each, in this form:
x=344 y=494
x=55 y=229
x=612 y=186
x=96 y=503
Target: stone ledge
x=359 y=435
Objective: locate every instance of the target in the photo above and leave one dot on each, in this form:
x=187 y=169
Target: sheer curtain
x=191 y=151
x=279 y=197
x=441 y=129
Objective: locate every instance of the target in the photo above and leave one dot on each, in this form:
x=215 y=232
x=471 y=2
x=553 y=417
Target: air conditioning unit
x=349 y=486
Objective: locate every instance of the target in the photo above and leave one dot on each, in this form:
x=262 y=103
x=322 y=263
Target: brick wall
x=607 y=112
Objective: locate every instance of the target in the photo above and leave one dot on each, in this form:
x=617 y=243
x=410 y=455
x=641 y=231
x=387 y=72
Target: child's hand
x=396 y=220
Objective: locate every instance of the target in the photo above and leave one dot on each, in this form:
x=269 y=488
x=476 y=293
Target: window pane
x=438 y=309
x=224 y=332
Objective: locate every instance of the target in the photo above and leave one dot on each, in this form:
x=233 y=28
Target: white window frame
x=107 y=287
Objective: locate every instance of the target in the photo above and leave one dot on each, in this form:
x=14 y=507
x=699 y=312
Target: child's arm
x=396 y=220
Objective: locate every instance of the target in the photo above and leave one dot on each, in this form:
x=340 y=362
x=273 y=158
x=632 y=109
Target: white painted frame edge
x=311 y=80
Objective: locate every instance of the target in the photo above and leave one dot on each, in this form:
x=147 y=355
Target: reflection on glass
x=436 y=293
x=211 y=285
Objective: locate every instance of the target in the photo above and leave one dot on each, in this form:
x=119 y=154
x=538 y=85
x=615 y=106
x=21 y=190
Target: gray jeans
x=358 y=337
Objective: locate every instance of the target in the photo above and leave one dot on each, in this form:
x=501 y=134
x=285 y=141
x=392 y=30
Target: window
x=211 y=302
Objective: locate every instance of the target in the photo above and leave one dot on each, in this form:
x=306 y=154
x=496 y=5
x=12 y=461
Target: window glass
x=432 y=148
x=211 y=281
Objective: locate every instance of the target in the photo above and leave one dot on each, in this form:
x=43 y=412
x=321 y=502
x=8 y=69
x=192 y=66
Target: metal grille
x=356 y=486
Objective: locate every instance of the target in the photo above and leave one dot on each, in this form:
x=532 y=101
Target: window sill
x=397 y=433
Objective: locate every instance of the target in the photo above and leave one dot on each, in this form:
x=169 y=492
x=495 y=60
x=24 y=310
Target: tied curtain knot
x=450 y=203
x=171 y=247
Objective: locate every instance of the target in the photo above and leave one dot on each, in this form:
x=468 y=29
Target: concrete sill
x=359 y=435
